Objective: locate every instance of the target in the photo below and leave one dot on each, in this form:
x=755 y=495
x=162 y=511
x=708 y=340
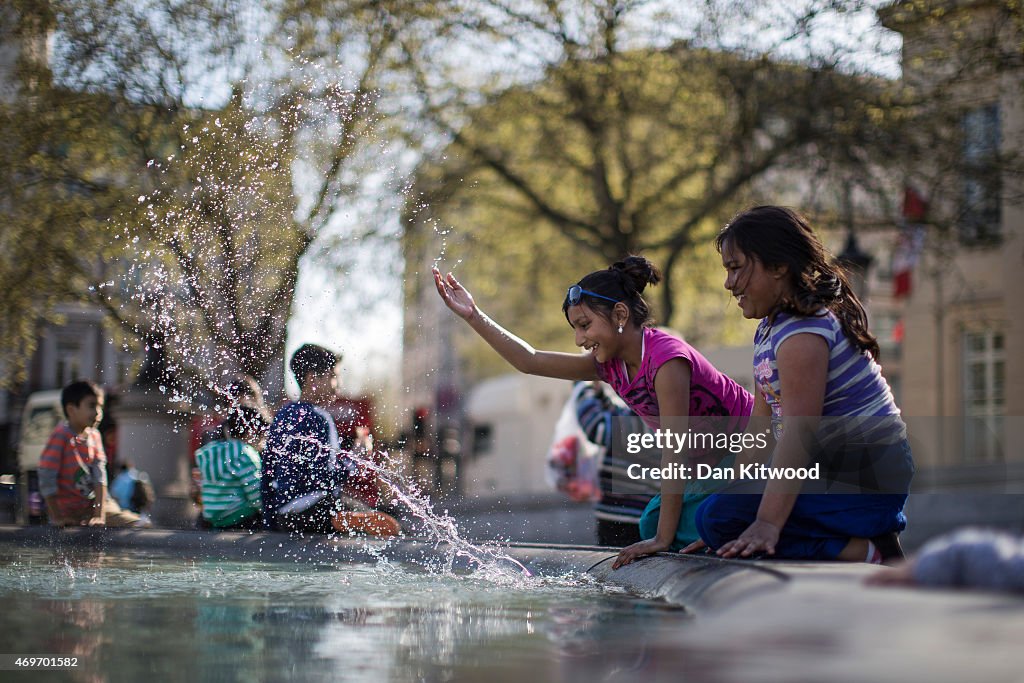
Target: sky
x=369 y=337
x=348 y=296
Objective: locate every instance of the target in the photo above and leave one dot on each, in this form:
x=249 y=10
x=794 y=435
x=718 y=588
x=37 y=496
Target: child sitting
x=305 y=471
x=72 y=468
x=229 y=471
x=967 y=558
x=133 y=491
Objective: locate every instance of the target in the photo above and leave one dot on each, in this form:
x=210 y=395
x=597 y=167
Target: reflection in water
x=147 y=618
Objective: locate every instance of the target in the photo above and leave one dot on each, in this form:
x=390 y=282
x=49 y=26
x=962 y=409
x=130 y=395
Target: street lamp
x=856 y=263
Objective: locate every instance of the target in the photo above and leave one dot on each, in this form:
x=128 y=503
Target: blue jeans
x=819 y=526
x=686 y=532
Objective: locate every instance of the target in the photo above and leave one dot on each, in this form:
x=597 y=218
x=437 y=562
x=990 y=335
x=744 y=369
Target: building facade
x=961 y=356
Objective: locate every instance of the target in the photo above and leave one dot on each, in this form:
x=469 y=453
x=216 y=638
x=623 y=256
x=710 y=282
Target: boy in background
x=304 y=469
x=302 y=472
x=72 y=468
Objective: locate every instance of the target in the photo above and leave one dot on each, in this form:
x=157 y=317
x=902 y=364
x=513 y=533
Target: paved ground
x=543 y=518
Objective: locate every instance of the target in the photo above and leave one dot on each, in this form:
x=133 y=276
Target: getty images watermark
x=823 y=455
x=690 y=441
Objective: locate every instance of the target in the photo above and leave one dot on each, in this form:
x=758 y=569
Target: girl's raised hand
x=455 y=296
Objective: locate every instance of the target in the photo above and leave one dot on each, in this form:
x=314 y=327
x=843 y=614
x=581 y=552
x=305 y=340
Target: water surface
x=148 y=617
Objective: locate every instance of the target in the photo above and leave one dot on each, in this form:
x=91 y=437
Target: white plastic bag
x=573 y=461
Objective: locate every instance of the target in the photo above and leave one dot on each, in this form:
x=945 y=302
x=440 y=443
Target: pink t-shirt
x=712 y=394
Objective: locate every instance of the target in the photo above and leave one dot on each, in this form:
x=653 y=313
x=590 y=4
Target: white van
x=41 y=415
x=512 y=418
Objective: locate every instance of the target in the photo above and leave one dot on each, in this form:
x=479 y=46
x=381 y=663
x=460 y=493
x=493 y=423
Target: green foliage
x=649 y=152
x=64 y=182
x=154 y=162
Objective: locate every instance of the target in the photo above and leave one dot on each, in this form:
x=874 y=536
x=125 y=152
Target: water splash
x=487 y=559
x=211 y=245
x=207 y=248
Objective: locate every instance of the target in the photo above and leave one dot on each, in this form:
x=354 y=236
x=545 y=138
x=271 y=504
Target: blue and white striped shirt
x=855 y=386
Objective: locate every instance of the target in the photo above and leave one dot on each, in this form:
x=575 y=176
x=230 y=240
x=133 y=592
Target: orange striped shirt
x=73 y=456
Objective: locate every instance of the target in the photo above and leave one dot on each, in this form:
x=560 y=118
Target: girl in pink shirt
x=662 y=378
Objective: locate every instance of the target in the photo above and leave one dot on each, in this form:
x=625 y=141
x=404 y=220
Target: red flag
x=901 y=284
x=914 y=206
x=898 y=330
x=908 y=248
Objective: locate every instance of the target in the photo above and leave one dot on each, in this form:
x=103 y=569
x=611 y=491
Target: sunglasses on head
x=576 y=293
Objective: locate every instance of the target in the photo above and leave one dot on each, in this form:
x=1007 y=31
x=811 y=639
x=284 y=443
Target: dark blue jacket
x=300 y=457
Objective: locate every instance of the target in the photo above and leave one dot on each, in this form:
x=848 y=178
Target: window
x=981 y=187
x=887 y=326
x=984 y=395
x=68 y=368
x=483 y=439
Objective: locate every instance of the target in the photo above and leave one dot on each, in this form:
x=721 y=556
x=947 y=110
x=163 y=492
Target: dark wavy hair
x=246 y=423
x=623 y=281
x=778 y=236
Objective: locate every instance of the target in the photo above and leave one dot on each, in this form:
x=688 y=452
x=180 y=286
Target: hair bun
x=638 y=272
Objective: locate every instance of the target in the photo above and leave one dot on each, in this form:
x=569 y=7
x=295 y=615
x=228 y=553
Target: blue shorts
x=697 y=492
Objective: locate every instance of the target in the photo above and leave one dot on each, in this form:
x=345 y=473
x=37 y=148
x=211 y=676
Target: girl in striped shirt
x=818 y=382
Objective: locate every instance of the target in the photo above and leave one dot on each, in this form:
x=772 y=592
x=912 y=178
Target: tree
x=60 y=186
x=622 y=146
x=175 y=175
